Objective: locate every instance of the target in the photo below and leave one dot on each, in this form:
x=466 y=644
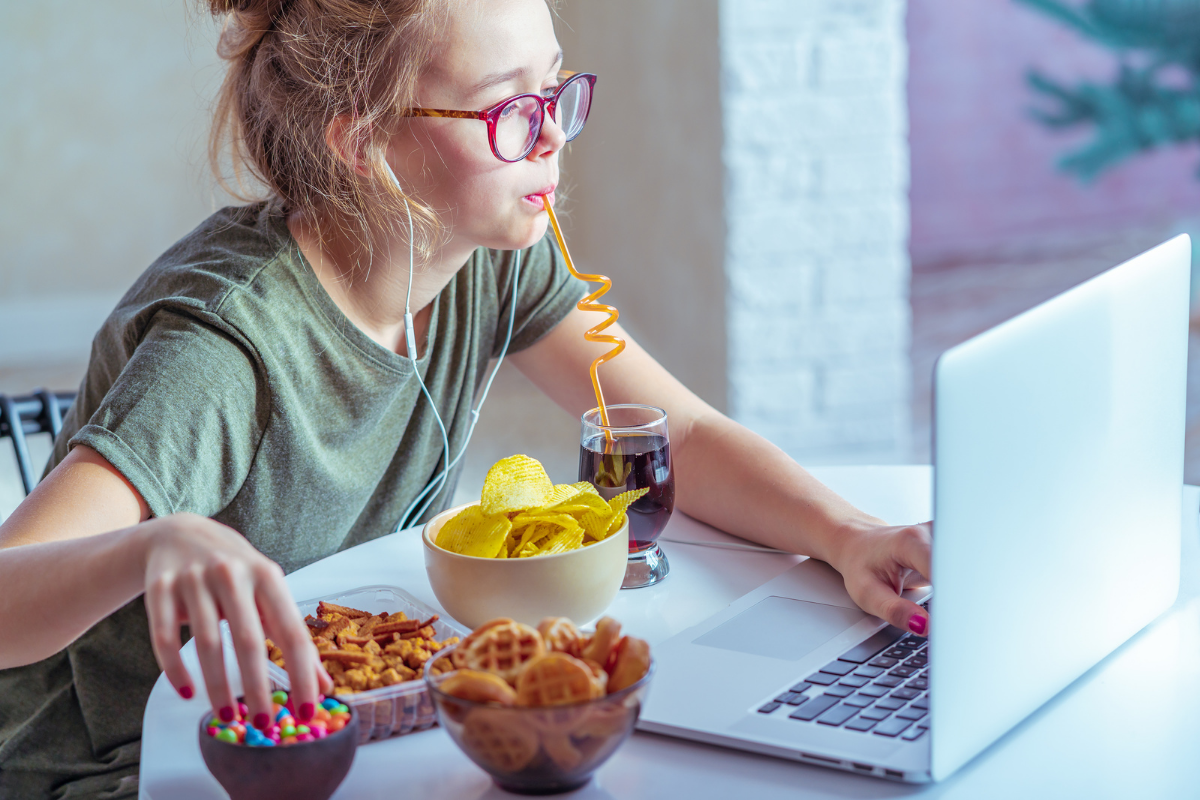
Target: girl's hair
x=295 y=65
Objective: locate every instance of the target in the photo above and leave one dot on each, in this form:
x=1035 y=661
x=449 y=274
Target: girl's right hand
x=199 y=572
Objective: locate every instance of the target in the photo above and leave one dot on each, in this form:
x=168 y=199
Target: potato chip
x=581 y=504
x=561 y=520
x=539 y=541
x=515 y=483
x=563 y=529
x=564 y=541
x=600 y=526
x=625 y=499
x=617 y=521
x=473 y=533
x=561 y=493
x=618 y=504
x=595 y=522
x=518 y=538
x=529 y=551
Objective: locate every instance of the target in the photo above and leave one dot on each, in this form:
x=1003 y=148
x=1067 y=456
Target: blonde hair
x=295 y=66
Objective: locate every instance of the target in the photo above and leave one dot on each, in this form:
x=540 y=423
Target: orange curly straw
x=589 y=303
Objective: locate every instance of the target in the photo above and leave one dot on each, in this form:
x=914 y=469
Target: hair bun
x=247 y=21
x=257 y=10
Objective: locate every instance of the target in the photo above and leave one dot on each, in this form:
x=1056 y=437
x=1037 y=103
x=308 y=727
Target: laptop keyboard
x=877 y=687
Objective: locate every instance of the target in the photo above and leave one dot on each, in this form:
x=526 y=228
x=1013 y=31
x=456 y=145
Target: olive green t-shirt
x=227 y=383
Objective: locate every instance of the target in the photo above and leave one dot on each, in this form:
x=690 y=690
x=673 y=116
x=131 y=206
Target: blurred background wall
x=644 y=184
x=105 y=115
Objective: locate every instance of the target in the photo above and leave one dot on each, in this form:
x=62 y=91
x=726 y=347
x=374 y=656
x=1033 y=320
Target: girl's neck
x=369 y=285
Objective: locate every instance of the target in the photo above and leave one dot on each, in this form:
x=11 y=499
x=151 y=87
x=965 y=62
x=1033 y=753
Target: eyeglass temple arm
x=438 y=112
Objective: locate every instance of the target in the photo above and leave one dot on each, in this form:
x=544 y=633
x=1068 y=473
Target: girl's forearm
x=52 y=592
x=737 y=481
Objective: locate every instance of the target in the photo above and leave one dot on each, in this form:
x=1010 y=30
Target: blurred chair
x=40 y=412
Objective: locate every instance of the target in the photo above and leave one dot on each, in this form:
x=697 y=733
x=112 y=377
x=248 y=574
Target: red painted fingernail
x=916 y=624
x=227 y=714
x=261 y=721
x=306 y=712
x=186 y=692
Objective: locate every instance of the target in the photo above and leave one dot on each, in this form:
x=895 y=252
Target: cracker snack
x=363 y=651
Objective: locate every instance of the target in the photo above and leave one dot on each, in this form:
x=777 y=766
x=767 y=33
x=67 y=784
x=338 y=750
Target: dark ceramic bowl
x=542 y=749
x=305 y=771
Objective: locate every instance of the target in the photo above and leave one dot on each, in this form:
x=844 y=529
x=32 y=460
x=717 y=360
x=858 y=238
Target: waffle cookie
x=502 y=649
x=500 y=738
x=561 y=636
x=556 y=679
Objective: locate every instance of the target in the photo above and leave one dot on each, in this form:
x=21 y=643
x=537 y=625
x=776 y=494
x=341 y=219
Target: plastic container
x=389 y=710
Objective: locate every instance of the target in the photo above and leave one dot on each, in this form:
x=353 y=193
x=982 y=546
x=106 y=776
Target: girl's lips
x=536 y=199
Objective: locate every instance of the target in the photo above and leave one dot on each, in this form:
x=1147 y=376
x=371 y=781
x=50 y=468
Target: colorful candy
x=330 y=717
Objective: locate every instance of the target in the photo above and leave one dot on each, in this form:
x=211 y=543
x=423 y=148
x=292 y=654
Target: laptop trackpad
x=780 y=627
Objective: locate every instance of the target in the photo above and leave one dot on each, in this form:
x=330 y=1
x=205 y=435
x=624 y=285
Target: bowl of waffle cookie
x=529 y=549
x=540 y=709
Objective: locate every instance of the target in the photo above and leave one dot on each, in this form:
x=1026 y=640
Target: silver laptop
x=1058 y=453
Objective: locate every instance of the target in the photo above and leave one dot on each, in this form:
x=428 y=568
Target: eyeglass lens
x=572 y=108
x=520 y=122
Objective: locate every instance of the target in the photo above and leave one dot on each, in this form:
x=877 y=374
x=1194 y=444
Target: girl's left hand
x=878 y=562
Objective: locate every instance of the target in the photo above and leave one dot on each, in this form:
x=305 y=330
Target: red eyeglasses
x=515 y=124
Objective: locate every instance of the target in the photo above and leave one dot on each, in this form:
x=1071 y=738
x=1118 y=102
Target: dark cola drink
x=633 y=461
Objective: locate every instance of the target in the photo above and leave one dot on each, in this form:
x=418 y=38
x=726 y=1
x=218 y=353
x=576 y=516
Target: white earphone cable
x=474 y=411
x=410 y=343
x=436 y=484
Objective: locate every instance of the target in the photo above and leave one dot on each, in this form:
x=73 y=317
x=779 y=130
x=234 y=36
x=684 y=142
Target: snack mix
x=522 y=514
x=363 y=651
x=331 y=717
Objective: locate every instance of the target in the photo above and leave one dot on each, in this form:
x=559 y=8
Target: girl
x=253 y=403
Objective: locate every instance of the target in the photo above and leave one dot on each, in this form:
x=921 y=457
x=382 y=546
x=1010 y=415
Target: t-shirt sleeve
x=183 y=420
x=546 y=293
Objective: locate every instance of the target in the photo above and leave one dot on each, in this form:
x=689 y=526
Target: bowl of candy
x=541 y=709
x=529 y=549
x=288 y=759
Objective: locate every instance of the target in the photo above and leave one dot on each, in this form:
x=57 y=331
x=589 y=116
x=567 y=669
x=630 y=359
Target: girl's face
x=492 y=50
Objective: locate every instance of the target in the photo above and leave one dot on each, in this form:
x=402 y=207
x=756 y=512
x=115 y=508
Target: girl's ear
x=347 y=144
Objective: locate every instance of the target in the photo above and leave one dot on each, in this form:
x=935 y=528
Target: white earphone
x=438 y=482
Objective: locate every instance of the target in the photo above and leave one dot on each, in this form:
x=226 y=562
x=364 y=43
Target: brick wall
x=816 y=168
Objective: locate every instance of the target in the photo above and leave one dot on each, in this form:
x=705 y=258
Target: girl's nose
x=551 y=139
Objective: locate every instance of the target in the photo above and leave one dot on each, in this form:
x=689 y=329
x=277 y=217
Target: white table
x=1128 y=728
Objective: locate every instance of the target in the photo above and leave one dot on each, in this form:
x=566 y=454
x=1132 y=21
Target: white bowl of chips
x=528 y=550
